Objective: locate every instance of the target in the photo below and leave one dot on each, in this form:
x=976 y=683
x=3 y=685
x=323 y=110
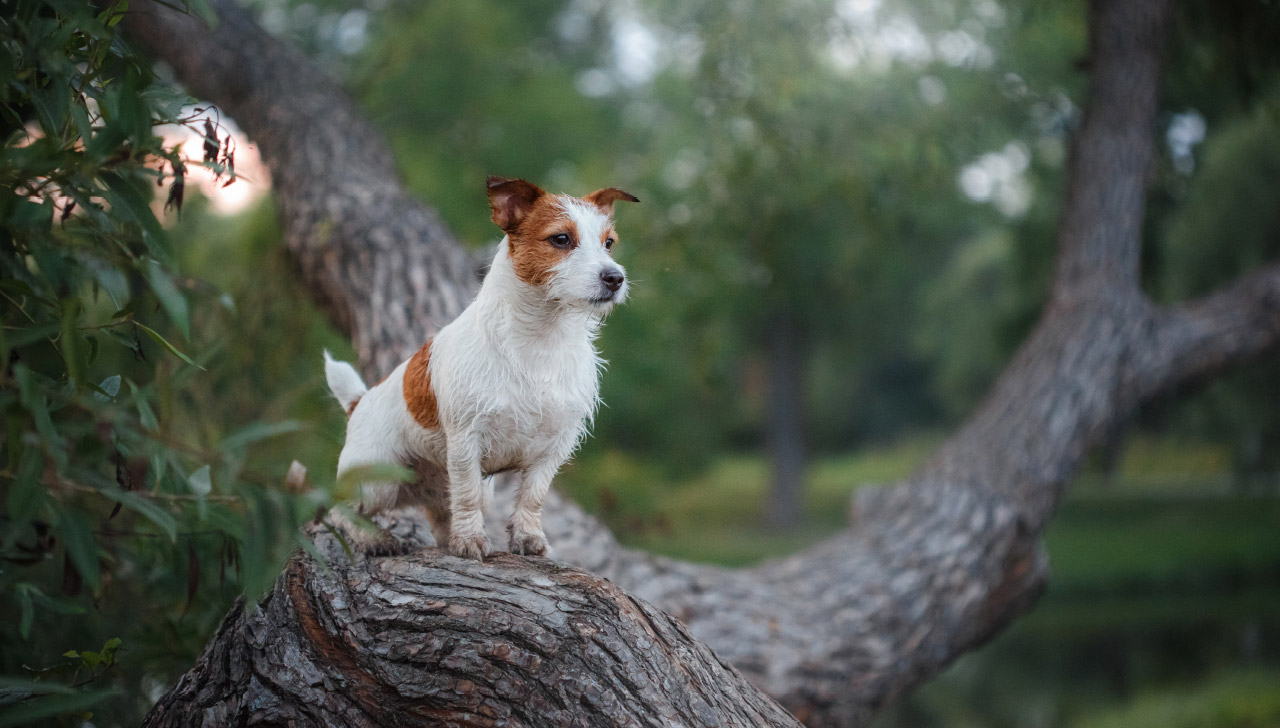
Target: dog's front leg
x=466 y=498
x=524 y=530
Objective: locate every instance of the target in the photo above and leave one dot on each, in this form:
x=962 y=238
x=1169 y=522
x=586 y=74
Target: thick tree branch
x=1199 y=339
x=1100 y=234
x=435 y=640
x=930 y=567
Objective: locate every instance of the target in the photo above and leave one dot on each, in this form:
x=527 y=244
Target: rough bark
x=930 y=567
x=435 y=640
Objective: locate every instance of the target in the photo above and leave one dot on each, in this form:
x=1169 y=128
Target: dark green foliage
x=127 y=521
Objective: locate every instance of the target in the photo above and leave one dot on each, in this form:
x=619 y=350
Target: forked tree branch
x=1111 y=156
x=1197 y=340
x=929 y=568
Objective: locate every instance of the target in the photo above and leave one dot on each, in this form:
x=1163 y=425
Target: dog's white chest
x=522 y=396
x=534 y=410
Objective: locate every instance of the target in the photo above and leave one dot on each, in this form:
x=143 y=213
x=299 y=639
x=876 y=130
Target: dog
x=512 y=384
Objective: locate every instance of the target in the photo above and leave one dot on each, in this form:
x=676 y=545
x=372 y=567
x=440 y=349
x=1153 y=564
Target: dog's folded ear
x=605 y=198
x=510 y=200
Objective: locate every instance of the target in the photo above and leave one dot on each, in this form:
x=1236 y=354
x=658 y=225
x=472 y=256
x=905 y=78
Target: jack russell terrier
x=511 y=384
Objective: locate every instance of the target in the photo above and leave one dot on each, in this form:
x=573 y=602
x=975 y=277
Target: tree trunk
x=435 y=640
x=784 y=426
x=930 y=567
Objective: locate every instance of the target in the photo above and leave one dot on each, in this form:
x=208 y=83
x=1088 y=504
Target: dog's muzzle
x=612 y=279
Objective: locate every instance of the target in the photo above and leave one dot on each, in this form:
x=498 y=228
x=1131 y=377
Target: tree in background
x=932 y=566
x=768 y=312
x=688 y=364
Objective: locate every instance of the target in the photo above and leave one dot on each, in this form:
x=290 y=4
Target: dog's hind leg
x=366 y=446
x=430 y=491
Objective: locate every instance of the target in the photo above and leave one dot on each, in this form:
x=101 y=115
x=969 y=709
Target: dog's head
x=561 y=244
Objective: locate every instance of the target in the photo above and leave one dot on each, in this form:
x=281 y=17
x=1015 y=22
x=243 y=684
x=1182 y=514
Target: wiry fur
x=515 y=377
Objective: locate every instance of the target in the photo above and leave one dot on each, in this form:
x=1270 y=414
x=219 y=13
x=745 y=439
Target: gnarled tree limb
x=1199 y=339
x=435 y=640
x=930 y=567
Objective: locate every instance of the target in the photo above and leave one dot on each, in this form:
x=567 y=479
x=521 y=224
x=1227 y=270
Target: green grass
x=1118 y=540
x=718 y=515
x=1235 y=700
x=1168 y=516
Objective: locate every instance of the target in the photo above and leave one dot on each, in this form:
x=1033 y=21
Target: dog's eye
x=560 y=241
x=608 y=243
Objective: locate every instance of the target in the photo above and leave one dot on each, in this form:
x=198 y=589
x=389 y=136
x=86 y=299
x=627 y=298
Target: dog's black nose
x=611 y=278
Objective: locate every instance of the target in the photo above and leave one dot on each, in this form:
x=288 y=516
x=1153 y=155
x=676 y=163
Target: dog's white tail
x=344 y=382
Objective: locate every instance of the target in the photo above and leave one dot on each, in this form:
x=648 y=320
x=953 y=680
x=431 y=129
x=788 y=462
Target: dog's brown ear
x=510 y=200
x=605 y=198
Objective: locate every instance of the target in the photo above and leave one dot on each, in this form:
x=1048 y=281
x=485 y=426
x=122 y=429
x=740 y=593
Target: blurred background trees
x=847 y=228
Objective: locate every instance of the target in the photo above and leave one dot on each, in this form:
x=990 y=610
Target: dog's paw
x=385 y=544
x=375 y=543
x=527 y=543
x=474 y=546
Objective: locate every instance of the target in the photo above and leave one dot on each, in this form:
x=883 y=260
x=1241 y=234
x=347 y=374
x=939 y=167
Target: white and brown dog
x=511 y=384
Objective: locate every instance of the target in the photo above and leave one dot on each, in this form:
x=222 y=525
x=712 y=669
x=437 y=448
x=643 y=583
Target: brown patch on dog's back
x=419 y=397
x=532 y=254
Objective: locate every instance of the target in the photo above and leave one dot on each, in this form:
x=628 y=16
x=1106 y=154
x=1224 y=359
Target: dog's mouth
x=601 y=300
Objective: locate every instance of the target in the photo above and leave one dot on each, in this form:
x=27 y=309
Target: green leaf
x=165 y=343
x=24 y=337
x=127 y=341
x=13 y=285
x=57 y=605
x=129 y=201
x=108 y=389
x=71 y=340
x=32 y=215
x=200 y=481
x=19 y=686
x=114 y=282
x=342 y=539
x=174 y=303
x=258 y=431
x=128 y=309
x=148 y=510
x=55 y=703
x=145 y=414
x=77 y=538
x=204 y=12
x=26 y=495
x=38 y=405
x=348 y=485
x=114 y=14
x=309 y=546
x=28 y=611
x=80 y=115
x=90 y=659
